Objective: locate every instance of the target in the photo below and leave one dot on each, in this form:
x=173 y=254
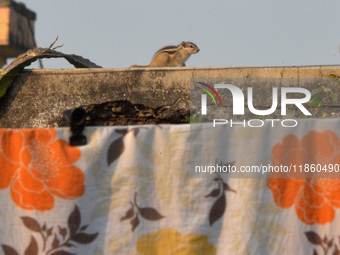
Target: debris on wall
x=8 y=75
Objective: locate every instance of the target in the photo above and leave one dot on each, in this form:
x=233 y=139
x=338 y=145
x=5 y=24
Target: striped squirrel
x=171 y=56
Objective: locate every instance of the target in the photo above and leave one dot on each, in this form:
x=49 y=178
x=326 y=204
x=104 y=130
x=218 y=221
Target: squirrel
x=171 y=56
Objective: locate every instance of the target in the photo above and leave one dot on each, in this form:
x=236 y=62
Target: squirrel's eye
x=191 y=46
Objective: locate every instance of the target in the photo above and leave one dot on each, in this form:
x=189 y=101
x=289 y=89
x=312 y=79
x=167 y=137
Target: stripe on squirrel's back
x=169 y=49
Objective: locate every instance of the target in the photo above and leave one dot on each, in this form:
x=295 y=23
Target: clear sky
x=116 y=34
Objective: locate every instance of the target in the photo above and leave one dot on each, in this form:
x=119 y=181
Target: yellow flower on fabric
x=169 y=241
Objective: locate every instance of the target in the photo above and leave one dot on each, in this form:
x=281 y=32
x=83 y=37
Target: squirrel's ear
x=183 y=43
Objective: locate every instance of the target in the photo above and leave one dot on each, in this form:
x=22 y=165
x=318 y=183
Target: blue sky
x=116 y=34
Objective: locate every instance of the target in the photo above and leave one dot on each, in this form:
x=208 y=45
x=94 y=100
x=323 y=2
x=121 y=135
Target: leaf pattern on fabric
x=327 y=246
x=55 y=242
x=117 y=147
x=147 y=213
x=220 y=204
x=8 y=250
x=31 y=224
x=32 y=248
x=115 y=188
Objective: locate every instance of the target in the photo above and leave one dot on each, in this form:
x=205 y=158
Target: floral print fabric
x=130 y=191
x=314 y=198
x=37 y=166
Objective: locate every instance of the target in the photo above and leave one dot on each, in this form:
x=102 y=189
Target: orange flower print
x=314 y=198
x=37 y=166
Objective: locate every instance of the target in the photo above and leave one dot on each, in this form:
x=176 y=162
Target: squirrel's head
x=190 y=47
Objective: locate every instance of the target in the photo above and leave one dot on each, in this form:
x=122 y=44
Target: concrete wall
x=37 y=98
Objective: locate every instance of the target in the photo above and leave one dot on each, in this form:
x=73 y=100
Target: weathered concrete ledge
x=38 y=98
